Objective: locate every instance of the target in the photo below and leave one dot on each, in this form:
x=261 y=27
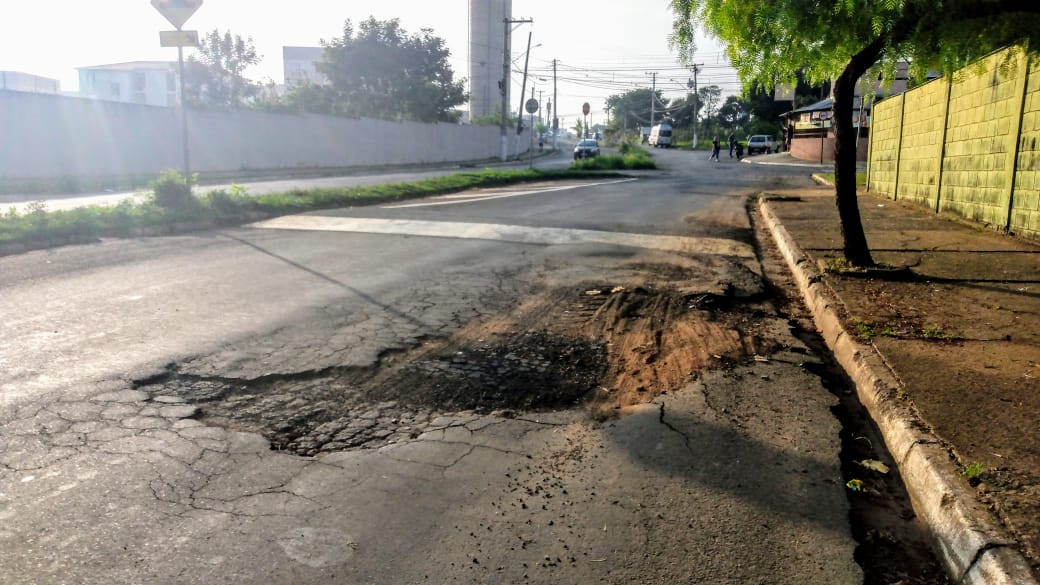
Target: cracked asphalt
x=118 y=466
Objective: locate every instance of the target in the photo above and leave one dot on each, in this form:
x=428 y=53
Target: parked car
x=661 y=136
x=762 y=143
x=586 y=148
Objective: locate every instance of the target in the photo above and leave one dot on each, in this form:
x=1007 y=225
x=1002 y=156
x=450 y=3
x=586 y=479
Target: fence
x=47 y=137
x=970 y=146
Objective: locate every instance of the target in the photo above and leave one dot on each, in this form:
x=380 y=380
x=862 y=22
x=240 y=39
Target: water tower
x=487 y=41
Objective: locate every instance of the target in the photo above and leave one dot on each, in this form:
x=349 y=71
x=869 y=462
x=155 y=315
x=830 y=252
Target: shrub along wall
x=970 y=147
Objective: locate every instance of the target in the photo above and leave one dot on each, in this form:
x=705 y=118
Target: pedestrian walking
x=731 y=139
x=714 y=149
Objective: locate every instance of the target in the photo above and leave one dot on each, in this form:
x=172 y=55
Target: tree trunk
x=854 y=240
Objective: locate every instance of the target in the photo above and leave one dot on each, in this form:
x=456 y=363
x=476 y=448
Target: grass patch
x=632 y=158
x=39 y=227
x=861 y=178
x=971 y=471
x=867 y=330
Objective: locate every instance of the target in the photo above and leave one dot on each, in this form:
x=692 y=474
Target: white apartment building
x=152 y=83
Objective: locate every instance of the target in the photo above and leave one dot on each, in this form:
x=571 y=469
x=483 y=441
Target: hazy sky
x=604 y=46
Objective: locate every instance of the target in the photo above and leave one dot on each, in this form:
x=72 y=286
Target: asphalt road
x=239 y=406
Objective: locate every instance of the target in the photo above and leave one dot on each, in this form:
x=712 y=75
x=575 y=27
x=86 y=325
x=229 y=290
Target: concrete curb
x=819 y=179
x=972 y=544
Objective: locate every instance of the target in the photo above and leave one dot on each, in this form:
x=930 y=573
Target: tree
x=635 y=104
x=215 y=77
x=578 y=128
x=378 y=70
x=769 y=41
x=709 y=96
x=733 y=113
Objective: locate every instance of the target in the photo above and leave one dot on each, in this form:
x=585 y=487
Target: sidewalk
x=946 y=357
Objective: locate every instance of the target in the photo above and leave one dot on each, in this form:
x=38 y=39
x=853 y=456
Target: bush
x=172 y=191
x=635 y=158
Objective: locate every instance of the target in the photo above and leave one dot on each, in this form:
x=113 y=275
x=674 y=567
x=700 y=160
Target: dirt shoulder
x=957 y=318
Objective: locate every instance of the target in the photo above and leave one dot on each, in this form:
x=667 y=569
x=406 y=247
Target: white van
x=661 y=136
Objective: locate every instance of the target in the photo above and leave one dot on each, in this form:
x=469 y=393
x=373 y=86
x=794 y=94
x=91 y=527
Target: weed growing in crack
x=971 y=471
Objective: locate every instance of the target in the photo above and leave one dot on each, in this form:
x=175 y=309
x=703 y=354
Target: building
x=153 y=83
x=809 y=133
x=17 y=81
x=299 y=65
x=487 y=46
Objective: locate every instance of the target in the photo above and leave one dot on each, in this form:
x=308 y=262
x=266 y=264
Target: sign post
x=531 y=106
x=585 y=108
x=178 y=12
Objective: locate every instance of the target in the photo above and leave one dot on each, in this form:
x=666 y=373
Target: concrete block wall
x=53 y=137
x=924 y=117
x=1025 y=210
x=883 y=155
x=970 y=147
x=979 y=145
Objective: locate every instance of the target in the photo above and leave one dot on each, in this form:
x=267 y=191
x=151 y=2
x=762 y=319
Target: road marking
x=508 y=233
x=471 y=197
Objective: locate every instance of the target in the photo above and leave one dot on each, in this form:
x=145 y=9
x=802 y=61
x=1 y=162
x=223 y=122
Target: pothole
x=604 y=346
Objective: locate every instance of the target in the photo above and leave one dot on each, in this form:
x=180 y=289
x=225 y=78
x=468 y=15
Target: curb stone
x=972 y=545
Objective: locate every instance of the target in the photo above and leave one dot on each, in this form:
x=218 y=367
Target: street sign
x=531 y=106
x=585 y=108
x=178 y=38
x=177 y=11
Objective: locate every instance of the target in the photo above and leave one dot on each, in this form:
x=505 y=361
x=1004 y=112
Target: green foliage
x=215 y=78
x=172 y=191
x=378 y=70
x=632 y=158
x=934 y=332
x=972 y=470
x=635 y=105
x=771 y=42
x=866 y=330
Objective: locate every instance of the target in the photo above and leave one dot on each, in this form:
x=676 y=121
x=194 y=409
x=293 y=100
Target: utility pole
x=556 y=101
x=523 y=89
x=541 y=120
x=504 y=86
x=696 y=99
x=653 y=97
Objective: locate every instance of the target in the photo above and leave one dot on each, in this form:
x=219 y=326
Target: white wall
x=53 y=136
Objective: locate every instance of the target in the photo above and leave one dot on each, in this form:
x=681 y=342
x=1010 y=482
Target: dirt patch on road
x=604 y=345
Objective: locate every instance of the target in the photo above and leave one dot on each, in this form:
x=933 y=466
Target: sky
x=604 y=47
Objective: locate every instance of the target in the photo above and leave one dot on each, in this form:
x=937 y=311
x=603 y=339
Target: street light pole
x=696 y=100
x=184 y=115
x=555 y=114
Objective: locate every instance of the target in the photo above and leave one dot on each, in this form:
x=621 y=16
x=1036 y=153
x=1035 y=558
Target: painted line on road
x=471 y=198
x=508 y=233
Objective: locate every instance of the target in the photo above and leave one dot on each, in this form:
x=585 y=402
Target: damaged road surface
x=588 y=385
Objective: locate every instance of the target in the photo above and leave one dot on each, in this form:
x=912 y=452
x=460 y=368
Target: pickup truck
x=762 y=143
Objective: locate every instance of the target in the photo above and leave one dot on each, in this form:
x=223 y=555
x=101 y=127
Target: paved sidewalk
x=944 y=346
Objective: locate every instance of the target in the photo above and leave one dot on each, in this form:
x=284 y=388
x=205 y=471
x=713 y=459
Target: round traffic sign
x=531 y=106
x=585 y=108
